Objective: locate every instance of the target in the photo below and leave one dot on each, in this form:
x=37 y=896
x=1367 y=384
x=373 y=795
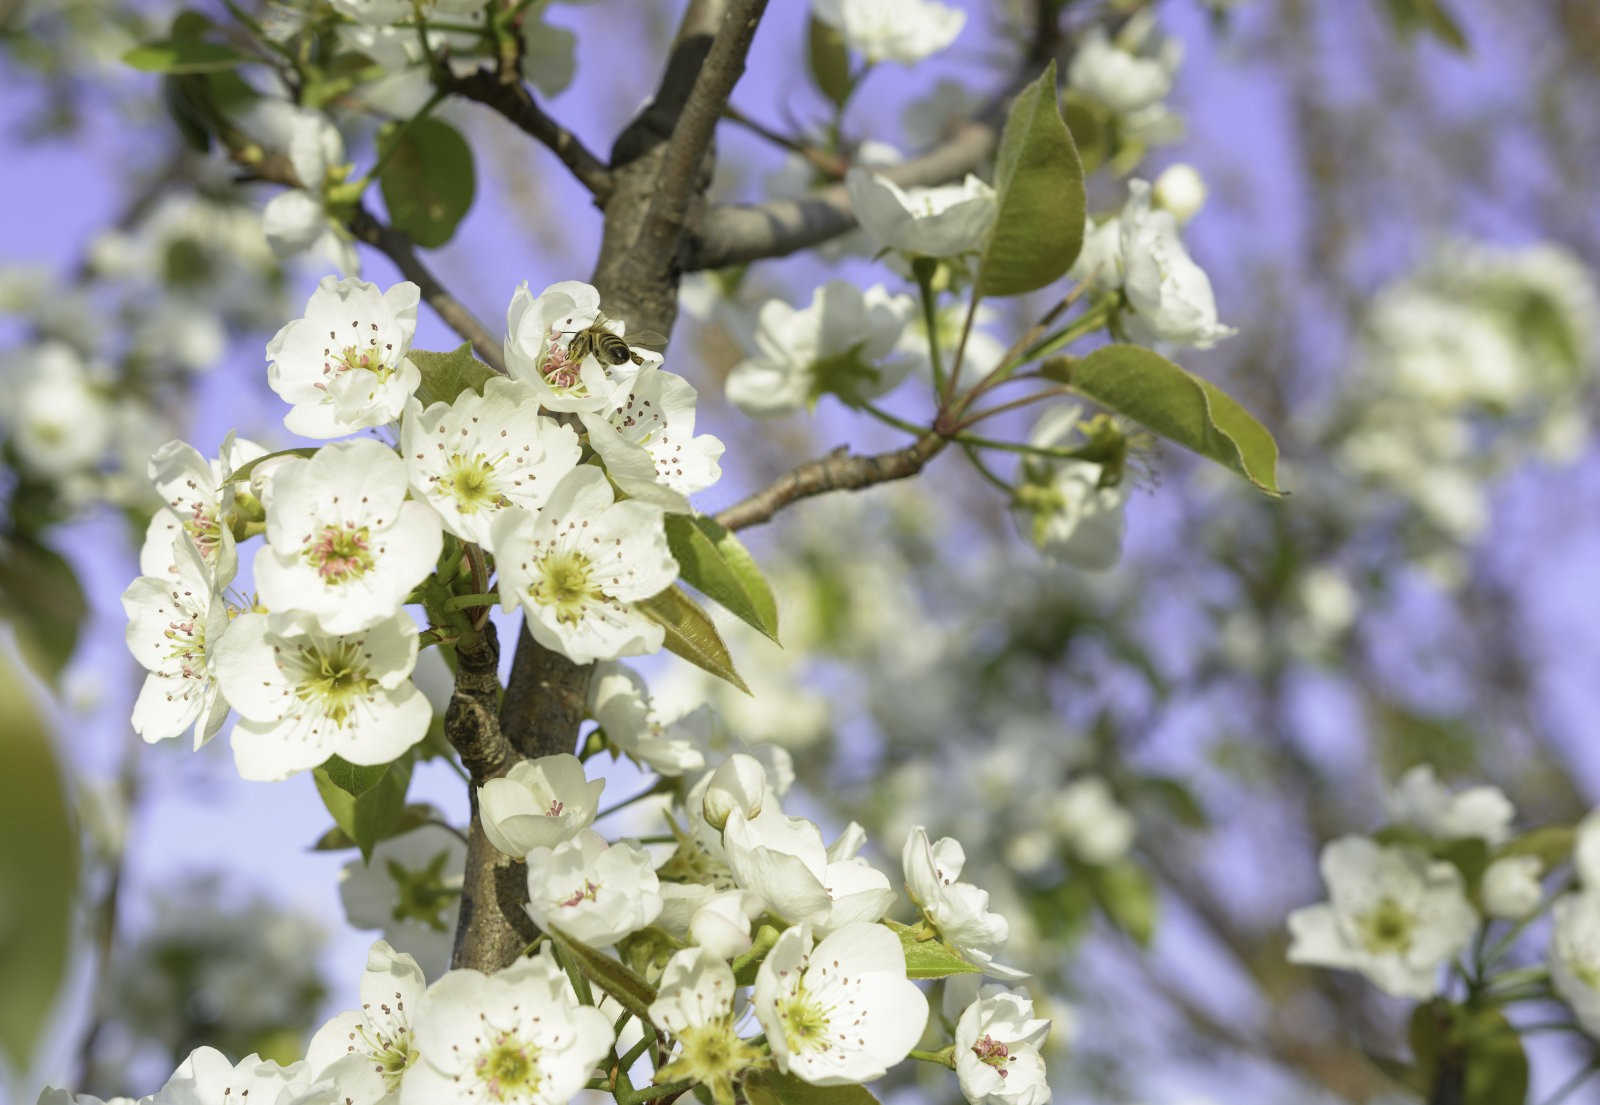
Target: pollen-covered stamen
x=341 y=553
x=361 y=350
x=991 y=1051
x=471 y=482
x=587 y=892
x=555 y=809
x=204 y=528
x=806 y=1023
x=565 y=581
x=560 y=371
x=391 y=1052
x=509 y=1069
x=188 y=646
x=334 y=676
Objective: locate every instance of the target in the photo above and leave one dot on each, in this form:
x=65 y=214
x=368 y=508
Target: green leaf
x=828 y=61
x=427 y=178
x=1469 y=1056
x=1178 y=405
x=931 y=958
x=1090 y=125
x=366 y=802
x=38 y=874
x=1429 y=17
x=768 y=1087
x=1552 y=844
x=712 y=561
x=447 y=375
x=632 y=992
x=41 y=597
x=1128 y=897
x=1038 y=183
x=410 y=817
x=691 y=634
x=1176 y=799
x=183 y=55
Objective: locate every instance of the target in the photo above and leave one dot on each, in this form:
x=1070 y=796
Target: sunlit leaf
x=712 y=561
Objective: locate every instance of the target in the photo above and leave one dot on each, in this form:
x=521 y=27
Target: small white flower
x=1087 y=816
x=648 y=443
x=1575 y=956
x=620 y=702
x=538 y=804
x=592 y=891
x=782 y=860
x=343 y=542
x=904 y=31
x=475 y=457
x=740 y=783
x=1099 y=262
x=1421 y=800
x=199 y=494
x=174 y=625
x=1071 y=509
x=997 y=1051
x=1586 y=851
x=1118 y=77
x=60 y=422
x=580 y=563
x=409 y=891
x=1511 y=888
x=517 y=1036
x=1181 y=190
x=342 y=366
x=841 y=1012
x=721 y=924
x=539 y=338
x=1393 y=914
x=959 y=910
x=934 y=222
x=839 y=344
x=372 y=1045
x=694 y=1002
x=297 y=220
x=304 y=694
x=206 y=1078
x=1170 y=295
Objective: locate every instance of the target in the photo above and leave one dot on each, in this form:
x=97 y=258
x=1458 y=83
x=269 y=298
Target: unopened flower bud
x=1181 y=190
x=1511 y=889
x=739 y=784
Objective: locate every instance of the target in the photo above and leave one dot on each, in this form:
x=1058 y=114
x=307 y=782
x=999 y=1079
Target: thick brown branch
x=838 y=471
x=472 y=721
x=513 y=100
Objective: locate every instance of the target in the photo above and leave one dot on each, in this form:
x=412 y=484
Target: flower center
x=391 y=1054
x=341 y=553
x=805 y=1024
x=1387 y=928
x=587 y=892
x=555 y=808
x=188 y=649
x=365 y=358
x=560 y=370
x=471 y=481
x=566 y=583
x=991 y=1051
x=334 y=677
x=509 y=1069
x=205 y=530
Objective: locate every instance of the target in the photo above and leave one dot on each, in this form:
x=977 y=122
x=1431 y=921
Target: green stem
x=1086 y=323
x=923 y=269
x=478 y=598
x=653 y=1092
x=985 y=471
x=944 y=1058
x=947 y=393
x=893 y=420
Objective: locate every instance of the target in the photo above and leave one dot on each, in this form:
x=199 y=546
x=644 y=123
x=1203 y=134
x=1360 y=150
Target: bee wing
x=653 y=340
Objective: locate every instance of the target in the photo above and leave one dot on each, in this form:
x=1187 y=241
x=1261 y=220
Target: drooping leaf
x=42 y=599
x=769 y=1087
x=38 y=873
x=1038 y=183
x=714 y=562
x=366 y=802
x=691 y=634
x=1127 y=896
x=1178 y=405
x=930 y=958
x=447 y=375
x=1552 y=844
x=412 y=816
x=427 y=178
x=183 y=55
x=828 y=61
x=632 y=992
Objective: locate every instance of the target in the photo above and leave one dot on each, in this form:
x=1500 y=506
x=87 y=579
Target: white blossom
x=198 y=495
x=372 y=1045
x=904 y=31
x=840 y=1012
x=303 y=694
x=1511 y=889
x=648 y=443
x=297 y=220
x=207 y=1078
x=579 y=564
x=344 y=544
x=1419 y=799
x=694 y=1002
x=721 y=922
x=1071 y=509
x=998 y=1040
x=342 y=366
x=1393 y=914
x=959 y=910
x=1575 y=955
x=621 y=703
x=409 y=891
x=1088 y=817
x=482 y=454
x=782 y=860
x=1119 y=77
x=739 y=783
x=942 y=221
x=538 y=804
x=539 y=337
x=175 y=622
x=1170 y=295
x=839 y=344
x=1586 y=851
x=517 y=1037
x=59 y=419
x=592 y=891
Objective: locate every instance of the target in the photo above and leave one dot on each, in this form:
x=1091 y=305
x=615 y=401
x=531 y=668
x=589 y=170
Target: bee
x=606 y=347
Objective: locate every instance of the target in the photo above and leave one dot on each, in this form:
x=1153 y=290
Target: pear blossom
x=620 y=702
x=1421 y=800
x=538 y=349
x=538 y=804
x=1511 y=889
x=1070 y=508
x=54 y=1095
x=648 y=443
x=842 y=1011
x=959 y=910
x=59 y=420
x=998 y=1040
x=372 y=1045
x=1586 y=851
x=694 y=1002
x=175 y=623
x=740 y=783
x=782 y=860
x=592 y=891
x=206 y=1077
x=409 y=890
x=516 y=1037
x=304 y=694
x=343 y=542
x=1394 y=914
x=1575 y=955
x=580 y=563
x=904 y=31
x=941 y=221
x=1088 y=817
x=199 y=494
x=1170 y=295
x=1099 y=263
x=481 y=454
x=342 y=366
x=1181 y=190
x=721 y=923
x=840 y=344
x=297 y=220
x=1118 y=75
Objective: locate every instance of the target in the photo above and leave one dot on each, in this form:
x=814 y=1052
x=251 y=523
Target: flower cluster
x=318 y=661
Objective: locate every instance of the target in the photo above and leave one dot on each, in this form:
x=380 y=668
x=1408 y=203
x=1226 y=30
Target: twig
x=838 y=471
x=513 y=101
x=824 y=161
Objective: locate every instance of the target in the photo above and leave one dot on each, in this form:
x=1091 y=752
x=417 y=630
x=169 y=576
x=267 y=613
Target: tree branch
x=838 y=471
x=512 y=99
x=471 y=721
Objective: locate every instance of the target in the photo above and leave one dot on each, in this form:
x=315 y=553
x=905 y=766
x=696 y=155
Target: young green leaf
x=1128 y=897
x=1476 y=1052
x=447 y=375
x=712 y=561
x=412 y=816
x=366 y=802
x=632 y=992
x=427 y=178
x=929 y=958
x=183 y=55
x=1038 y=184
x=41 y=597
x=691 y=634
x=772 y=1088
x=1178 y=405
x=828 y=60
